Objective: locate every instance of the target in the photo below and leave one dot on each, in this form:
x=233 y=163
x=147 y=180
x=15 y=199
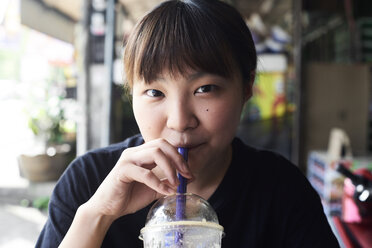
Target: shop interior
x=62 y=93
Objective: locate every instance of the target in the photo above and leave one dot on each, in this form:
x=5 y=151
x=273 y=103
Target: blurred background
x=61 y=92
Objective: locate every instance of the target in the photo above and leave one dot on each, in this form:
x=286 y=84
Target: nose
x=181 y=116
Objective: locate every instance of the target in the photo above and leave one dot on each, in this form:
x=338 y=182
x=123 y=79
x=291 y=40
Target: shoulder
x=251 y=158
x=104 y=159
x=106 y=156
x=77 y=184
x=114 y=149
x=282 y=194
x=86 y=172
x=269 y=171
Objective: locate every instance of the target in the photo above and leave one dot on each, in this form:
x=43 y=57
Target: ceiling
x=64 y=14
x=71 y=8
x=271 y=11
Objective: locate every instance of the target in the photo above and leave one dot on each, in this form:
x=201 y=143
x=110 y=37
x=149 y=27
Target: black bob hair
x=203 y=35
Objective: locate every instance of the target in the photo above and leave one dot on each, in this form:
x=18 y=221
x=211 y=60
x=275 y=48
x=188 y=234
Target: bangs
x=177 y=37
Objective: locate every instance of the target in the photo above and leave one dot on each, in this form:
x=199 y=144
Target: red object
x=353 y=235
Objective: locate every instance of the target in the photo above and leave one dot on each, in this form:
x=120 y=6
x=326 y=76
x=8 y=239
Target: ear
x=248 y=87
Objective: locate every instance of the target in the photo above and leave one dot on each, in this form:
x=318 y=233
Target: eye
x=206 y=88
x=154 y=93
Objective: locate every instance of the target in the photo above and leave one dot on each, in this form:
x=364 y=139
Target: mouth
x=190 y=146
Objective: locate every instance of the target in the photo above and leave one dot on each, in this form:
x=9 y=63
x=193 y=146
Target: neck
x=207 y=180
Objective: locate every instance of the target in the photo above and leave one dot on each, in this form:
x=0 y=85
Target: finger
x=152 y=157
x=132 y=173
x=164 y=180
x=162 y=160
x=180 y=163
x=143 y=156
x=177 y=159
x=172 y=152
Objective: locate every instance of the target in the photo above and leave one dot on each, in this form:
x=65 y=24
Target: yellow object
x=269 y=95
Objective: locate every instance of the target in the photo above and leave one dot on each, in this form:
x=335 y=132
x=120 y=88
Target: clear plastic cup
x=197 y=228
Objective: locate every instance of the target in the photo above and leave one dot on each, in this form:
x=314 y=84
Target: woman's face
x=198 y=111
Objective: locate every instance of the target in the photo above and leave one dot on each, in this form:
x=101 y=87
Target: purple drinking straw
x=181 y=199
x=183 y=181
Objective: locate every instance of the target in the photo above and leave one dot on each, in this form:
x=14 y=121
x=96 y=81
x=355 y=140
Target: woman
x=190 y=66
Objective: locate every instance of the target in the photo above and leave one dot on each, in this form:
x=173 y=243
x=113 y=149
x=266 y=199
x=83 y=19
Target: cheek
x=223 y=117
x=147 y=120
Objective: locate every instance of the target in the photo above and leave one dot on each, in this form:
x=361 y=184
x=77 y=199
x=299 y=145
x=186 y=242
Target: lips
x=189 y=146
x=185 y=141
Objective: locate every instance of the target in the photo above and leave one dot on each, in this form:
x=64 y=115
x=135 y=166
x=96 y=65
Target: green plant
x=41 y=203
x=46 y=120
x=50 y=116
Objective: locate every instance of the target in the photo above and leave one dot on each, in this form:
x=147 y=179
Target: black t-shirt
x=263 y=201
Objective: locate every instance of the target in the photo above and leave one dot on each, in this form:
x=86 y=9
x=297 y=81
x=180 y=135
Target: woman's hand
x=141 y=175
